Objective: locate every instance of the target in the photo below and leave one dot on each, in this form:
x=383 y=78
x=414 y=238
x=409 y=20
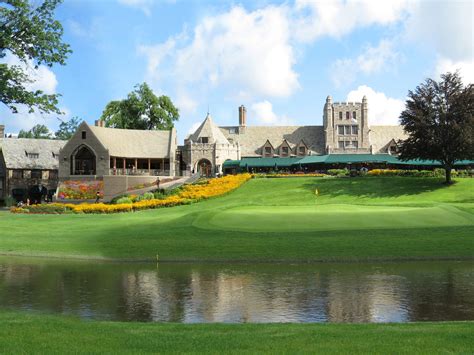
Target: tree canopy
x=142 y=109
x=439 y=121
x=67 y=128
x=33 y=37
x=38 y=131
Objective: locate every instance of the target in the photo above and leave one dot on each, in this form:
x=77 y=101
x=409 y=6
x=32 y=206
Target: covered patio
x=139 y=166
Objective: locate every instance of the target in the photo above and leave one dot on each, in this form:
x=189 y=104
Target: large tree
x=439 y=121
x=38 y=131
x=67 y=128
x=31 y=35
x=142 y=109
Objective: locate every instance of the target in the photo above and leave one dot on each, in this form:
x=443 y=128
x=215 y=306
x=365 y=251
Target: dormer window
x=32 y=155
x=284 y=151
x=302 y=150
x=268 y=151
x=204 y=139
x=83 y=134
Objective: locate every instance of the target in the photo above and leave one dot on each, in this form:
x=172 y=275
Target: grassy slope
x=383 y=218
x=32 y=333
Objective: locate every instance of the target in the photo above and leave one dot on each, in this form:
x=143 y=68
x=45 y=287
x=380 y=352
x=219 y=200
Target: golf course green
x=300 y=219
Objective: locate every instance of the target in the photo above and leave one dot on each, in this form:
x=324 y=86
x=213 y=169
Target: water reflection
x=242 y=293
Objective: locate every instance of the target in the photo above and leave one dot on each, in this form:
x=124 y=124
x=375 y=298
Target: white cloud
x=445 y=25
x=383 y=110
x=372 y=60
x=143 y=5
x=336 y=18
x=185 y=103
x=43 y=78
x=246 y=52
x=262 y=114
x=466 y=69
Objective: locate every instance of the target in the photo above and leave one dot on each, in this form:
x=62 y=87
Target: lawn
x=36 y=333
x=350 y=219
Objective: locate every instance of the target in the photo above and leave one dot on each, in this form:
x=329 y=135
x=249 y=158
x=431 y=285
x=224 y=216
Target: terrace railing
x=139 y=172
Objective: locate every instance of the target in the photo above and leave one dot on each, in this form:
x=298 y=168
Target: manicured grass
x=33 y=333
x=351 y=219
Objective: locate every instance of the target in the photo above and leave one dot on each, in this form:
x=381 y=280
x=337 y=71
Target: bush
x=148 y=196
x=50 y=208
x=338 y=172
x=124 y=200
x=9 y=201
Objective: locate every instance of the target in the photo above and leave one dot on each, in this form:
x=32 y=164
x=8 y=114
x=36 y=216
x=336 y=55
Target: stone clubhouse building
x=121 y=160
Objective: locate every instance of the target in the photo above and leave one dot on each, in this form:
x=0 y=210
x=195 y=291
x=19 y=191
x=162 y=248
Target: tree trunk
x=448 y=174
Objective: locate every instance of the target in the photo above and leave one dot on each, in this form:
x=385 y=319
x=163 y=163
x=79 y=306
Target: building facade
x=345 y=130
x=29 y=168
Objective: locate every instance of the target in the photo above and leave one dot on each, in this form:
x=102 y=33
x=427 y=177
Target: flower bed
x=188 y=194
x=80 y=190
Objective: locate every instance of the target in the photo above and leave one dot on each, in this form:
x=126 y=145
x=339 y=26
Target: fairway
x=333 y=217
x=351 y=219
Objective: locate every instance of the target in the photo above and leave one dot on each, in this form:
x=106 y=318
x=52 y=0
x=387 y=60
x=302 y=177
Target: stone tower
x=346 y=127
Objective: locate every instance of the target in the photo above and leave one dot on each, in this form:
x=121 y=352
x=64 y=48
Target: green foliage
x=148 y=196
x=9 y=201
x=67 y=128
x=29 y=32
x=142 y=109
x=38 y=131
x=124 y=199
x=439 y=120
x=45 y=208
x=338 y=172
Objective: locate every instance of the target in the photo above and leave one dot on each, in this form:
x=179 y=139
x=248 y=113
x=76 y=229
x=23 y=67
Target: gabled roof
x=134 y=143
x=15 y=153
x=253 y=137
x=210 y=130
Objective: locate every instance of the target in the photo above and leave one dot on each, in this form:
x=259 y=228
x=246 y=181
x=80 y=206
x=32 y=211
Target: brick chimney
x=242 y=116
x=99 y=123
x=2 y=131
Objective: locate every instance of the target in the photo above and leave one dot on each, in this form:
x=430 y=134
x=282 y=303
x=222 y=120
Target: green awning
x=332 y=159
x=268 y=162
x=231 y=164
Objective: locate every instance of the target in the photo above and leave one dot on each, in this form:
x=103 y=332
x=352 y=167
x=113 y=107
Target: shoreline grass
x=39 y=333
x=334 y=226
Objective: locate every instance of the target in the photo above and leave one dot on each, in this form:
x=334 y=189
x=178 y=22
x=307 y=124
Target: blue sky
x=279 y=59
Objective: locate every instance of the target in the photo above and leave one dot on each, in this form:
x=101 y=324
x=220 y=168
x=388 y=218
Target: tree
x=38 y=131
x=142 y=109
x=439 y=121
x=67 y=128
x=31 y=35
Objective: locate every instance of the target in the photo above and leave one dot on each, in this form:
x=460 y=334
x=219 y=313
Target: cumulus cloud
x=445 y=25
x=383 y=110
x=262 y=113
x=244 y=51
x=336 y=18
x=43 y=78
x=466 y=69
x=372 y=60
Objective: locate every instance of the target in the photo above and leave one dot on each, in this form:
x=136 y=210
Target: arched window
x=83 y=161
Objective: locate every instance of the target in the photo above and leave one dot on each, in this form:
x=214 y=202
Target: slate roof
x=15 y=153
x=210 y=130
x=381 y=136
x=133 y=143
x=252 y=138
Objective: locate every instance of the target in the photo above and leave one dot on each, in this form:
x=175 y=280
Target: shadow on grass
x=376 y=187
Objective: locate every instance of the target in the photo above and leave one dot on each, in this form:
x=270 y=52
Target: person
x=97 y=197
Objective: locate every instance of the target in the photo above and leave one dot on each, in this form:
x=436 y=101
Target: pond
x=194 y=293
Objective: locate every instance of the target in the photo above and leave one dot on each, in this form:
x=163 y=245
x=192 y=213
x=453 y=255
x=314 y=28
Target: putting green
x=331 y=217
